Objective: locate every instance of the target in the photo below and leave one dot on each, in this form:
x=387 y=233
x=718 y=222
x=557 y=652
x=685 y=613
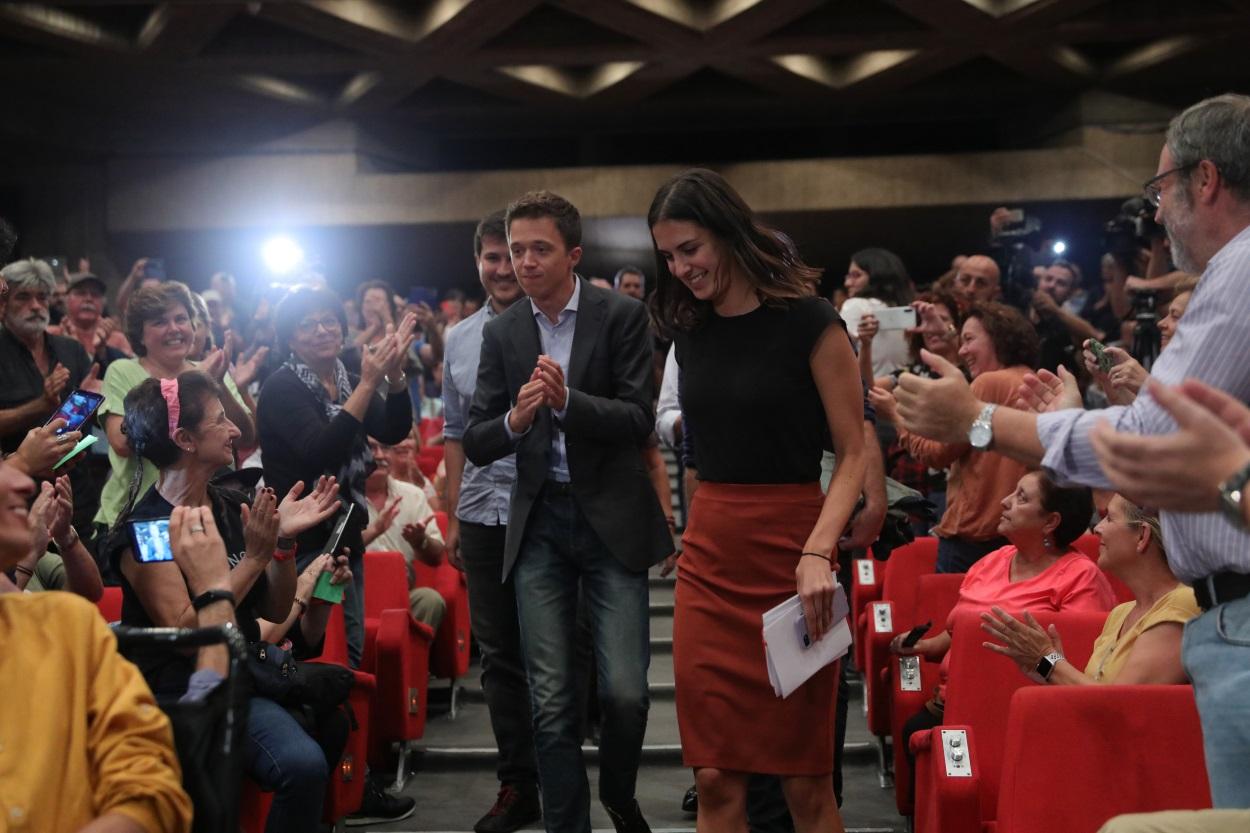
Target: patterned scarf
x=360 y=463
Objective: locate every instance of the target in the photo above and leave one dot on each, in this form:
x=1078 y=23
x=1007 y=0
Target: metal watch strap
x=1232 y=494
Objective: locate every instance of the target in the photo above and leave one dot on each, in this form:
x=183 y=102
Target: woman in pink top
x=1038 y=570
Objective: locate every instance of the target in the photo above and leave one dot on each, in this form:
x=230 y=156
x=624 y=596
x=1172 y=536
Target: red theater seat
x=397 y=652
x=110 y=604
x=867 y=579
x=978 y=698
x=428 y=458
x=449 y=654
x=1075 y=756
x=936 y=596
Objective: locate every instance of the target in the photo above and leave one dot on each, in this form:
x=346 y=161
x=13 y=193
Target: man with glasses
x=1201 y=195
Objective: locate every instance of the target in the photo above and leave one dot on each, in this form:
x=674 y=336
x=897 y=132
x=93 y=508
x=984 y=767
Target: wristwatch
x=1046 y=665
x=981 y=434
x=1232 y=492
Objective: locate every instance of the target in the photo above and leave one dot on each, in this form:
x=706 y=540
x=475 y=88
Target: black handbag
x=314 y=686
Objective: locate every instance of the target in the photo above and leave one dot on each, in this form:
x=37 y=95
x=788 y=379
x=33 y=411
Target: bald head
x=977 y=280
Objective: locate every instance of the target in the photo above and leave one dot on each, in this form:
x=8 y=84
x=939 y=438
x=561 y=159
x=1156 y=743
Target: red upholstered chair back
x=440 y=518
x=936 y=595
x=428 y=458
x=1089 y=544
x=386 y=582
x=1075 y=756
x=981 y=683
x=907 y=564
x=110 y=604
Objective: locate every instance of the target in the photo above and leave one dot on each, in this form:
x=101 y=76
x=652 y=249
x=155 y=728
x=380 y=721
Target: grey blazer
x=607 y=421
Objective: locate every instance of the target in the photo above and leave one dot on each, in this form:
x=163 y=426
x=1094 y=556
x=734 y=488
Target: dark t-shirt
x=746 y=384
x=168 y=672
x=23 y=382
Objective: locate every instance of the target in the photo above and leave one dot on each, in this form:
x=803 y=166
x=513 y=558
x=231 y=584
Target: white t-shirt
x=889 y=347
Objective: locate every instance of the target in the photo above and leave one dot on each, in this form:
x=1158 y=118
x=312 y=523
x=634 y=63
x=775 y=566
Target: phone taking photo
x=913 y=635
x=332 y=544
x=151 y=541
x=1100 y=354
x=77 y=408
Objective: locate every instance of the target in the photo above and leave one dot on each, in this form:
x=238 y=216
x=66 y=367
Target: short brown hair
x=150 y=303
x=539 y=204
x=492 y=225
x=1014 y=338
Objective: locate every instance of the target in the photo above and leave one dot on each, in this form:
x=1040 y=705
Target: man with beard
x=1201 y=194
x=85 y=322
x=477 y=508
x=38 y=369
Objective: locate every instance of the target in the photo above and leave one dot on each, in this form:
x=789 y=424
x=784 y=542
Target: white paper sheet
x=790 y=664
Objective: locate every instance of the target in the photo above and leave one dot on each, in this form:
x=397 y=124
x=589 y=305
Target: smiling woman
x=160 y=327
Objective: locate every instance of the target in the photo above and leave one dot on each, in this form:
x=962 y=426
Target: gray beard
x=28 y=329
x=1181 y=257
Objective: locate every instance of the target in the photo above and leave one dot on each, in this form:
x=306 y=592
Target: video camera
x=1014 y=245
x=1133 y=229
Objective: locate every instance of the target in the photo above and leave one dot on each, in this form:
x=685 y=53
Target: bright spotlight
x=282 y=255
x=1059 y=248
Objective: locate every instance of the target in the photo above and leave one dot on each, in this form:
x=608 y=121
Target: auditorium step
x=454 y=770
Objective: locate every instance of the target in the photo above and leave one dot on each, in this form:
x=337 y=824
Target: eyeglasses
x=1151 y=190
x=309 y=325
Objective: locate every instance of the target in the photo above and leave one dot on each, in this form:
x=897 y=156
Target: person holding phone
x=875 y=280
x=180 y=426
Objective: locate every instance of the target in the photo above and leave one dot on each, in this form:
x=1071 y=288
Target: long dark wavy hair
x=766 y=257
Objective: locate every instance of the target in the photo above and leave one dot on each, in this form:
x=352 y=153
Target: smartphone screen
x=77 y=409
x=332 y=545
x=151 y=541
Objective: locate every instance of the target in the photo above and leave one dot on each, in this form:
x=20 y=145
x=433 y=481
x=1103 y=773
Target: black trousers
x=493 y=618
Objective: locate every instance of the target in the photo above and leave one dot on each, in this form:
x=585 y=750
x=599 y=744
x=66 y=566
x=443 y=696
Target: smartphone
x=332 y=545
x=151 y=541
x=913 y=635
x=327 y=592
x=1100 y=353
x=896 y=318
x=76 y=409
x=82 y=445
x=154 y=268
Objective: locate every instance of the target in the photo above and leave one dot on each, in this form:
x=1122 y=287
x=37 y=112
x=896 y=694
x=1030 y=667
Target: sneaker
x=513 y=810
x=379 y=806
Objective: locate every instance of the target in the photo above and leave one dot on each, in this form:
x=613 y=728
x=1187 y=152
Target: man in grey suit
x=564 y=381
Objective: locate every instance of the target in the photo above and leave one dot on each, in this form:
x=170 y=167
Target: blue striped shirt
x=485 y=492
x=1212 y=344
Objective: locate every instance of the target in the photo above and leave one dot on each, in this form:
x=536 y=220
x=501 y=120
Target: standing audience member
x=314 y=418
x=160 y=326
x=1202 y=195
x=96 y=753
x=631 y=281
x=564 y=381
x=86 y=323
x=875 y=280
x=477 y=509
x=998 y=347
x=976 y=281
x=759 y=528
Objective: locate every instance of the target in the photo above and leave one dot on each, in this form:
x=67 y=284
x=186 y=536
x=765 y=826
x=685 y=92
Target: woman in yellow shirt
x=1141 y=640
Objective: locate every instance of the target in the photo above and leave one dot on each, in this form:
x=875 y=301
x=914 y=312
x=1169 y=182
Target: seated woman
x=1038 y=570
x=180 y=426
x=1141 y=641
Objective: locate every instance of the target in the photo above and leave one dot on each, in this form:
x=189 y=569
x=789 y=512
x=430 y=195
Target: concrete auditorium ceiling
x=472 y=84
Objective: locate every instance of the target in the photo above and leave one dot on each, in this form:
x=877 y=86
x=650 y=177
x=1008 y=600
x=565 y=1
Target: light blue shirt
x=485 y=491
x=557 y=344
x=1211 y=344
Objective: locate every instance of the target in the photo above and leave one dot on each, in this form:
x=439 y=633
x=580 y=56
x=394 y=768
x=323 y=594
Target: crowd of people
x=1025 y=404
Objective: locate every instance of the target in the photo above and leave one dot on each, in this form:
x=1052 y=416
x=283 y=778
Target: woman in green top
x=160 y=324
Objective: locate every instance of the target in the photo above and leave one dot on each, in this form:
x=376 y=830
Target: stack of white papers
x=791 y=662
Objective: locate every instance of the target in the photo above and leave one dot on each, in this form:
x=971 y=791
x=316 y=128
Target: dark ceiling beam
x=182 y=31
x=633 y=21
x=361 y=25
x=760 y=20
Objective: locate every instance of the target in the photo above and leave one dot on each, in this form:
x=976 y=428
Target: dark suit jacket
x=607 y=420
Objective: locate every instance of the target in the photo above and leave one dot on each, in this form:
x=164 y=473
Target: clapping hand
x=941 y=409
x=260 y=526
x=1023 y=642
x=246 y=371
x=53 y=385
x=529 y=398
x=298 y=514
x=555 y=392
x=215 y=364
x=1044 y=392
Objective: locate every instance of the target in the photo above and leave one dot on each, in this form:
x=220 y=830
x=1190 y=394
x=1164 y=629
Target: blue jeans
x=282 y=757
x=1216 y=654
x=560 y=552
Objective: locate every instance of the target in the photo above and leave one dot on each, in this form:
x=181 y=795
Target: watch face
x=980 y=435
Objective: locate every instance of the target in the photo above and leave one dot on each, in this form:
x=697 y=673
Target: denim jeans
x=956 y=555
x=493 y=610
x=282 y=757
x=560 y=552
x=1216 y=654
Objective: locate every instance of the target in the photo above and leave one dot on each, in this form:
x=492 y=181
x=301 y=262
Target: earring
x=1048 y=543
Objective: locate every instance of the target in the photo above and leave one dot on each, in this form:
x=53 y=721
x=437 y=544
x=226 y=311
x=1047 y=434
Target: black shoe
x=690 y=801
x=514 y=809
x=630 y=821
x=379 y=806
